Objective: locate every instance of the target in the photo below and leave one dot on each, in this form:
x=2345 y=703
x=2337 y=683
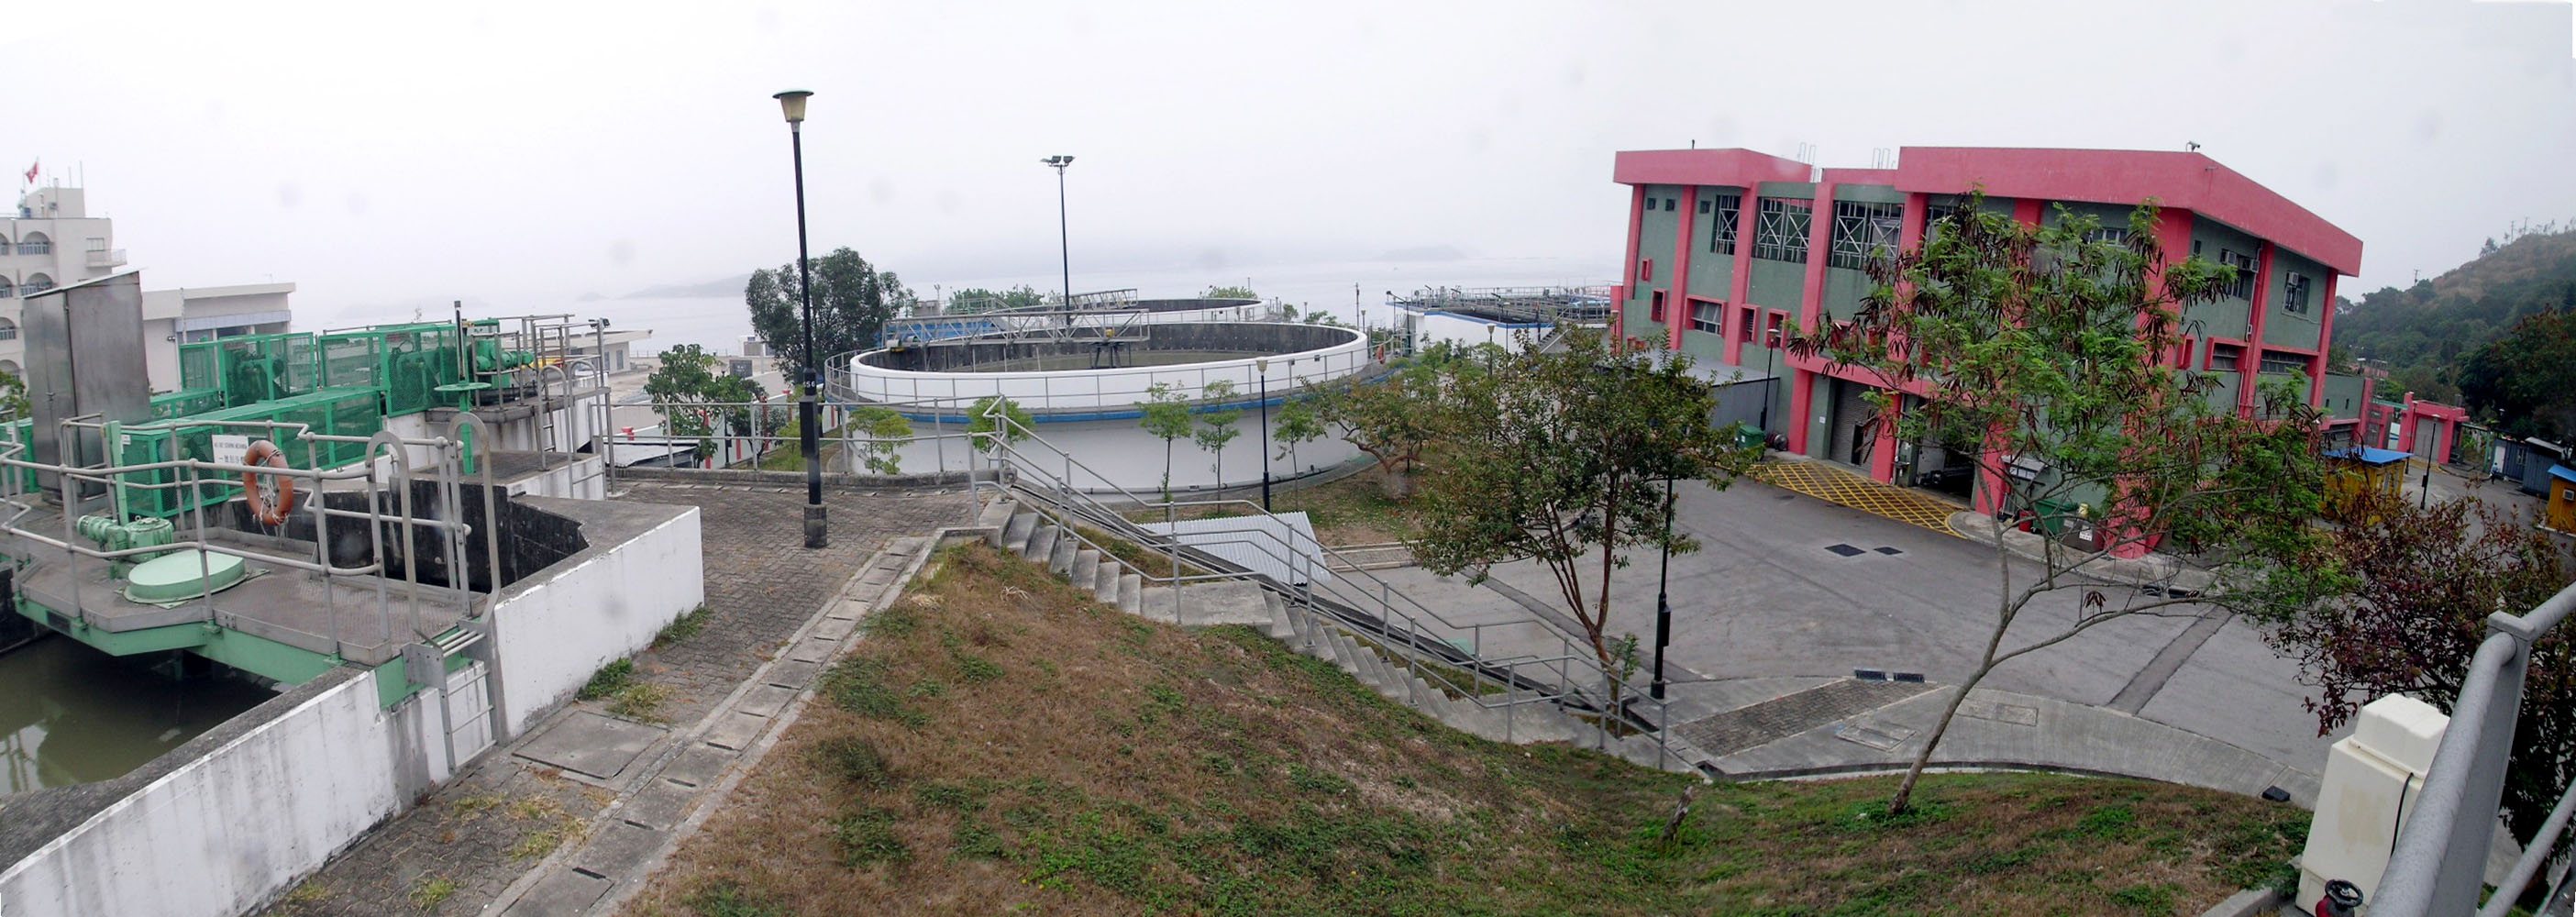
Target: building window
x=35 y=243
x=2115 y=235
x=2275 y=361
x=1646 y=270
x=1703 y=206
x=1780 y=229
x=36 y=283
x=7 y=291
x=1721 y=239
x=2243 y=286
x=2182 y=353
x=1656 y=313
x=1934 y=216
x=1771 y=336
x=1708 y=317
x=4 y=245
x=1670 y=203
x=1744 y=325
x=1864 y=231
x=2225 y=356
x=8 y=330
x=2294 y=293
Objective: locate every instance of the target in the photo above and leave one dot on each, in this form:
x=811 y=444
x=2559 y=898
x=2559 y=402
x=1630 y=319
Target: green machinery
x=344 y=383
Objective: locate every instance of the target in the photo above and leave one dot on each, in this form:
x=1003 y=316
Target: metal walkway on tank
x=1835 y=485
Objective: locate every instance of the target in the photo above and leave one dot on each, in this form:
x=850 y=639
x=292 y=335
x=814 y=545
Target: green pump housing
x=145 y=532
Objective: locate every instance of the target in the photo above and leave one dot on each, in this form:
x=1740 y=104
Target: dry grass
x=1014 y=747
x=1353 y=510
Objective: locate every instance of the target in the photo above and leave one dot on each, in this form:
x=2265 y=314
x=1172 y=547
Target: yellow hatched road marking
x=1834 y=485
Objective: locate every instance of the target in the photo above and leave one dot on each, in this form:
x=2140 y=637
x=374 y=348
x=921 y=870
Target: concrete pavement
x=1769 y=596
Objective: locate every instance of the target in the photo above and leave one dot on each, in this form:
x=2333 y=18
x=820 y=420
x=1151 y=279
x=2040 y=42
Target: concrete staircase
x=1518 y=717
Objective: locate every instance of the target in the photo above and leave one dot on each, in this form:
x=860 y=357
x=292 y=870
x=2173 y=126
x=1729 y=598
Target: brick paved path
x=468 y=841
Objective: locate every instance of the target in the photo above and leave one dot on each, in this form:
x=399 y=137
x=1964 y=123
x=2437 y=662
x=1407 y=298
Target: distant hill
x=727 y=287
x=2421 y=334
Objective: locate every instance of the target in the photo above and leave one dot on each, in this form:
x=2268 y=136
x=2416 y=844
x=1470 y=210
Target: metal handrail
x=1266 y=539
x=2439 y=862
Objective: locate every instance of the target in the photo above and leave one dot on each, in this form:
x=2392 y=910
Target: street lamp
x=1663 y=599
x=1770 y=383
x=1064 y=235
x=1262 y=369
x=817 y=534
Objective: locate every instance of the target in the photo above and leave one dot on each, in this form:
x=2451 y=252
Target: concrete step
x=1104 y=583
x=1355 y=659
x=995 y=517
x=1154 y=603
x=1085 y=572
x=1041 y=543
x=1131 y=593
x=1280 y=628
x=1060 y=560
x=1302 y=627
x=1015 y=536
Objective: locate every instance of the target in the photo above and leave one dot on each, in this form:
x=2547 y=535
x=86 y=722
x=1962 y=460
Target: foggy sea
x=719 y=323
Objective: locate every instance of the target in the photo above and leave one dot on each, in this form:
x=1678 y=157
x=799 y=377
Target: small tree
x=1216 y=427
x=885 y=431
x=694 y=400
x=1396 y=418
x=988 y=434
x=1299 y=422
x=1557 y=457
x=2424 y=582
x=1218 y=292
x=1167 y=416
x=2051 y=339
x=13 y=397
x=852 y=301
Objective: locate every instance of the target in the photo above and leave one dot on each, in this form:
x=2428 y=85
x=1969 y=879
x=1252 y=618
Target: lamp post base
x=817 y=535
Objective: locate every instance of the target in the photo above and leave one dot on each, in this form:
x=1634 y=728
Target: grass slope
x=1001 y=744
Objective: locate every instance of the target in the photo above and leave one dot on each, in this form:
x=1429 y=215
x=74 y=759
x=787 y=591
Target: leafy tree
x=1556 y=457
x=2425 y=581
x=2051 y=343
x=1299 y=423
x=1321 y=317
x=988 y=434
x=1216 y=428
x=978 y=299
x=1398 y=417
x=1167 y=417
x=1217 y=292
x=13 y=397
x=695 y=400
x=885 y=431
x=852 y=301
x=2527 y=378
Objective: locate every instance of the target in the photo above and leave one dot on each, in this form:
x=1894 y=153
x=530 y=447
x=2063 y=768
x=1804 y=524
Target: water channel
x=71 y=714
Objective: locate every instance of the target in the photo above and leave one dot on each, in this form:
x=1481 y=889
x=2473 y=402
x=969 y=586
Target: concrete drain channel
x=1761 y=724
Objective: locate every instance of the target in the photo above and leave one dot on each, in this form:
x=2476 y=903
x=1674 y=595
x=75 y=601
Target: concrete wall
x=1119 y=453
x=553 y=629
x=2282 y=327
x=2224 y=316
x=228 y=829
x=1712 y=272
x=1109 y=390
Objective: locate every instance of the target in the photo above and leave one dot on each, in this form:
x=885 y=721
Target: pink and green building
x=1728 y=247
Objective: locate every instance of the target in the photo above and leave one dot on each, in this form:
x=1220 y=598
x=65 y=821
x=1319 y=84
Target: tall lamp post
x=808 y=415
x=1262 y=368
x=1064 y=234
x=1663 y=599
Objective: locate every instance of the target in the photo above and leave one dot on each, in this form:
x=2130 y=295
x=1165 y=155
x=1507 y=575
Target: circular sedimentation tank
x=1083 y=377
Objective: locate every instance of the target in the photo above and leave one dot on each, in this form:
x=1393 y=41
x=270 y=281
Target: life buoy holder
x=271 y=496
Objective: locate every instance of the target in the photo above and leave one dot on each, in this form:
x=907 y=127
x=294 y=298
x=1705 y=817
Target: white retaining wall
x=1102 y=389
x=551 y=631
x=223 y=832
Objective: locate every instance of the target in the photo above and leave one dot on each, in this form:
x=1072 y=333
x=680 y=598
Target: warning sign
x=230 y=448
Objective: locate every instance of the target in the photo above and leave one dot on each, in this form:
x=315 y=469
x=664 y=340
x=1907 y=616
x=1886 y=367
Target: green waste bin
x=2055 y=516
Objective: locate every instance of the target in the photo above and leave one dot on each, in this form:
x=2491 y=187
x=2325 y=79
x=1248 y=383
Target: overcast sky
x=523 y=154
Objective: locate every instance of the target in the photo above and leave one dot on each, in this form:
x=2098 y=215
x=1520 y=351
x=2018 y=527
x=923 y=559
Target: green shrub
x=610 y=679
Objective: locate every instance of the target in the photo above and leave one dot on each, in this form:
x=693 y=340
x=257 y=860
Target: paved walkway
x=584 y=788
x=1827 y=482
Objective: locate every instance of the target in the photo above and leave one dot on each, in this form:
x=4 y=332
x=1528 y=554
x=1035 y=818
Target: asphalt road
x=1764 y=597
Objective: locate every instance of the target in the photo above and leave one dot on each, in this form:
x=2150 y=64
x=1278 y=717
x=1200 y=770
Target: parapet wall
x=1282 y=357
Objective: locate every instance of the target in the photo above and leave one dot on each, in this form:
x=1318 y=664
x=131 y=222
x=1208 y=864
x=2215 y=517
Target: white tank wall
x=550 y=634
x=223 y=832
x=1121 y=453
x=1441 y=327
x=1102 y=389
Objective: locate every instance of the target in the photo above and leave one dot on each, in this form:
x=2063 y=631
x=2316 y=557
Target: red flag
x=31 y=170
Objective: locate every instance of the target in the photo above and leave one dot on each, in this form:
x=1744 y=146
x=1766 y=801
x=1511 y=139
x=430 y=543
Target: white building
x=49 y=240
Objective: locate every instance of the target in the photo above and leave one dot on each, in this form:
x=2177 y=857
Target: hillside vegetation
x=2421 y=335
x=1001 y=744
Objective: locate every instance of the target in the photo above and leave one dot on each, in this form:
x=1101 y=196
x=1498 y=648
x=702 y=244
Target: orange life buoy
x=272 y=500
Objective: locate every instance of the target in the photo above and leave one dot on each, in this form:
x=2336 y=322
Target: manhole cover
x=1891 y=552
x=1843 y=549
x=2016 y=714
x=1881 y=738
x=591 y=744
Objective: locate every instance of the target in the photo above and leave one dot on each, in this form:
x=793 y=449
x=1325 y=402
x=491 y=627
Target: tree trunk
x=1905 y=790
